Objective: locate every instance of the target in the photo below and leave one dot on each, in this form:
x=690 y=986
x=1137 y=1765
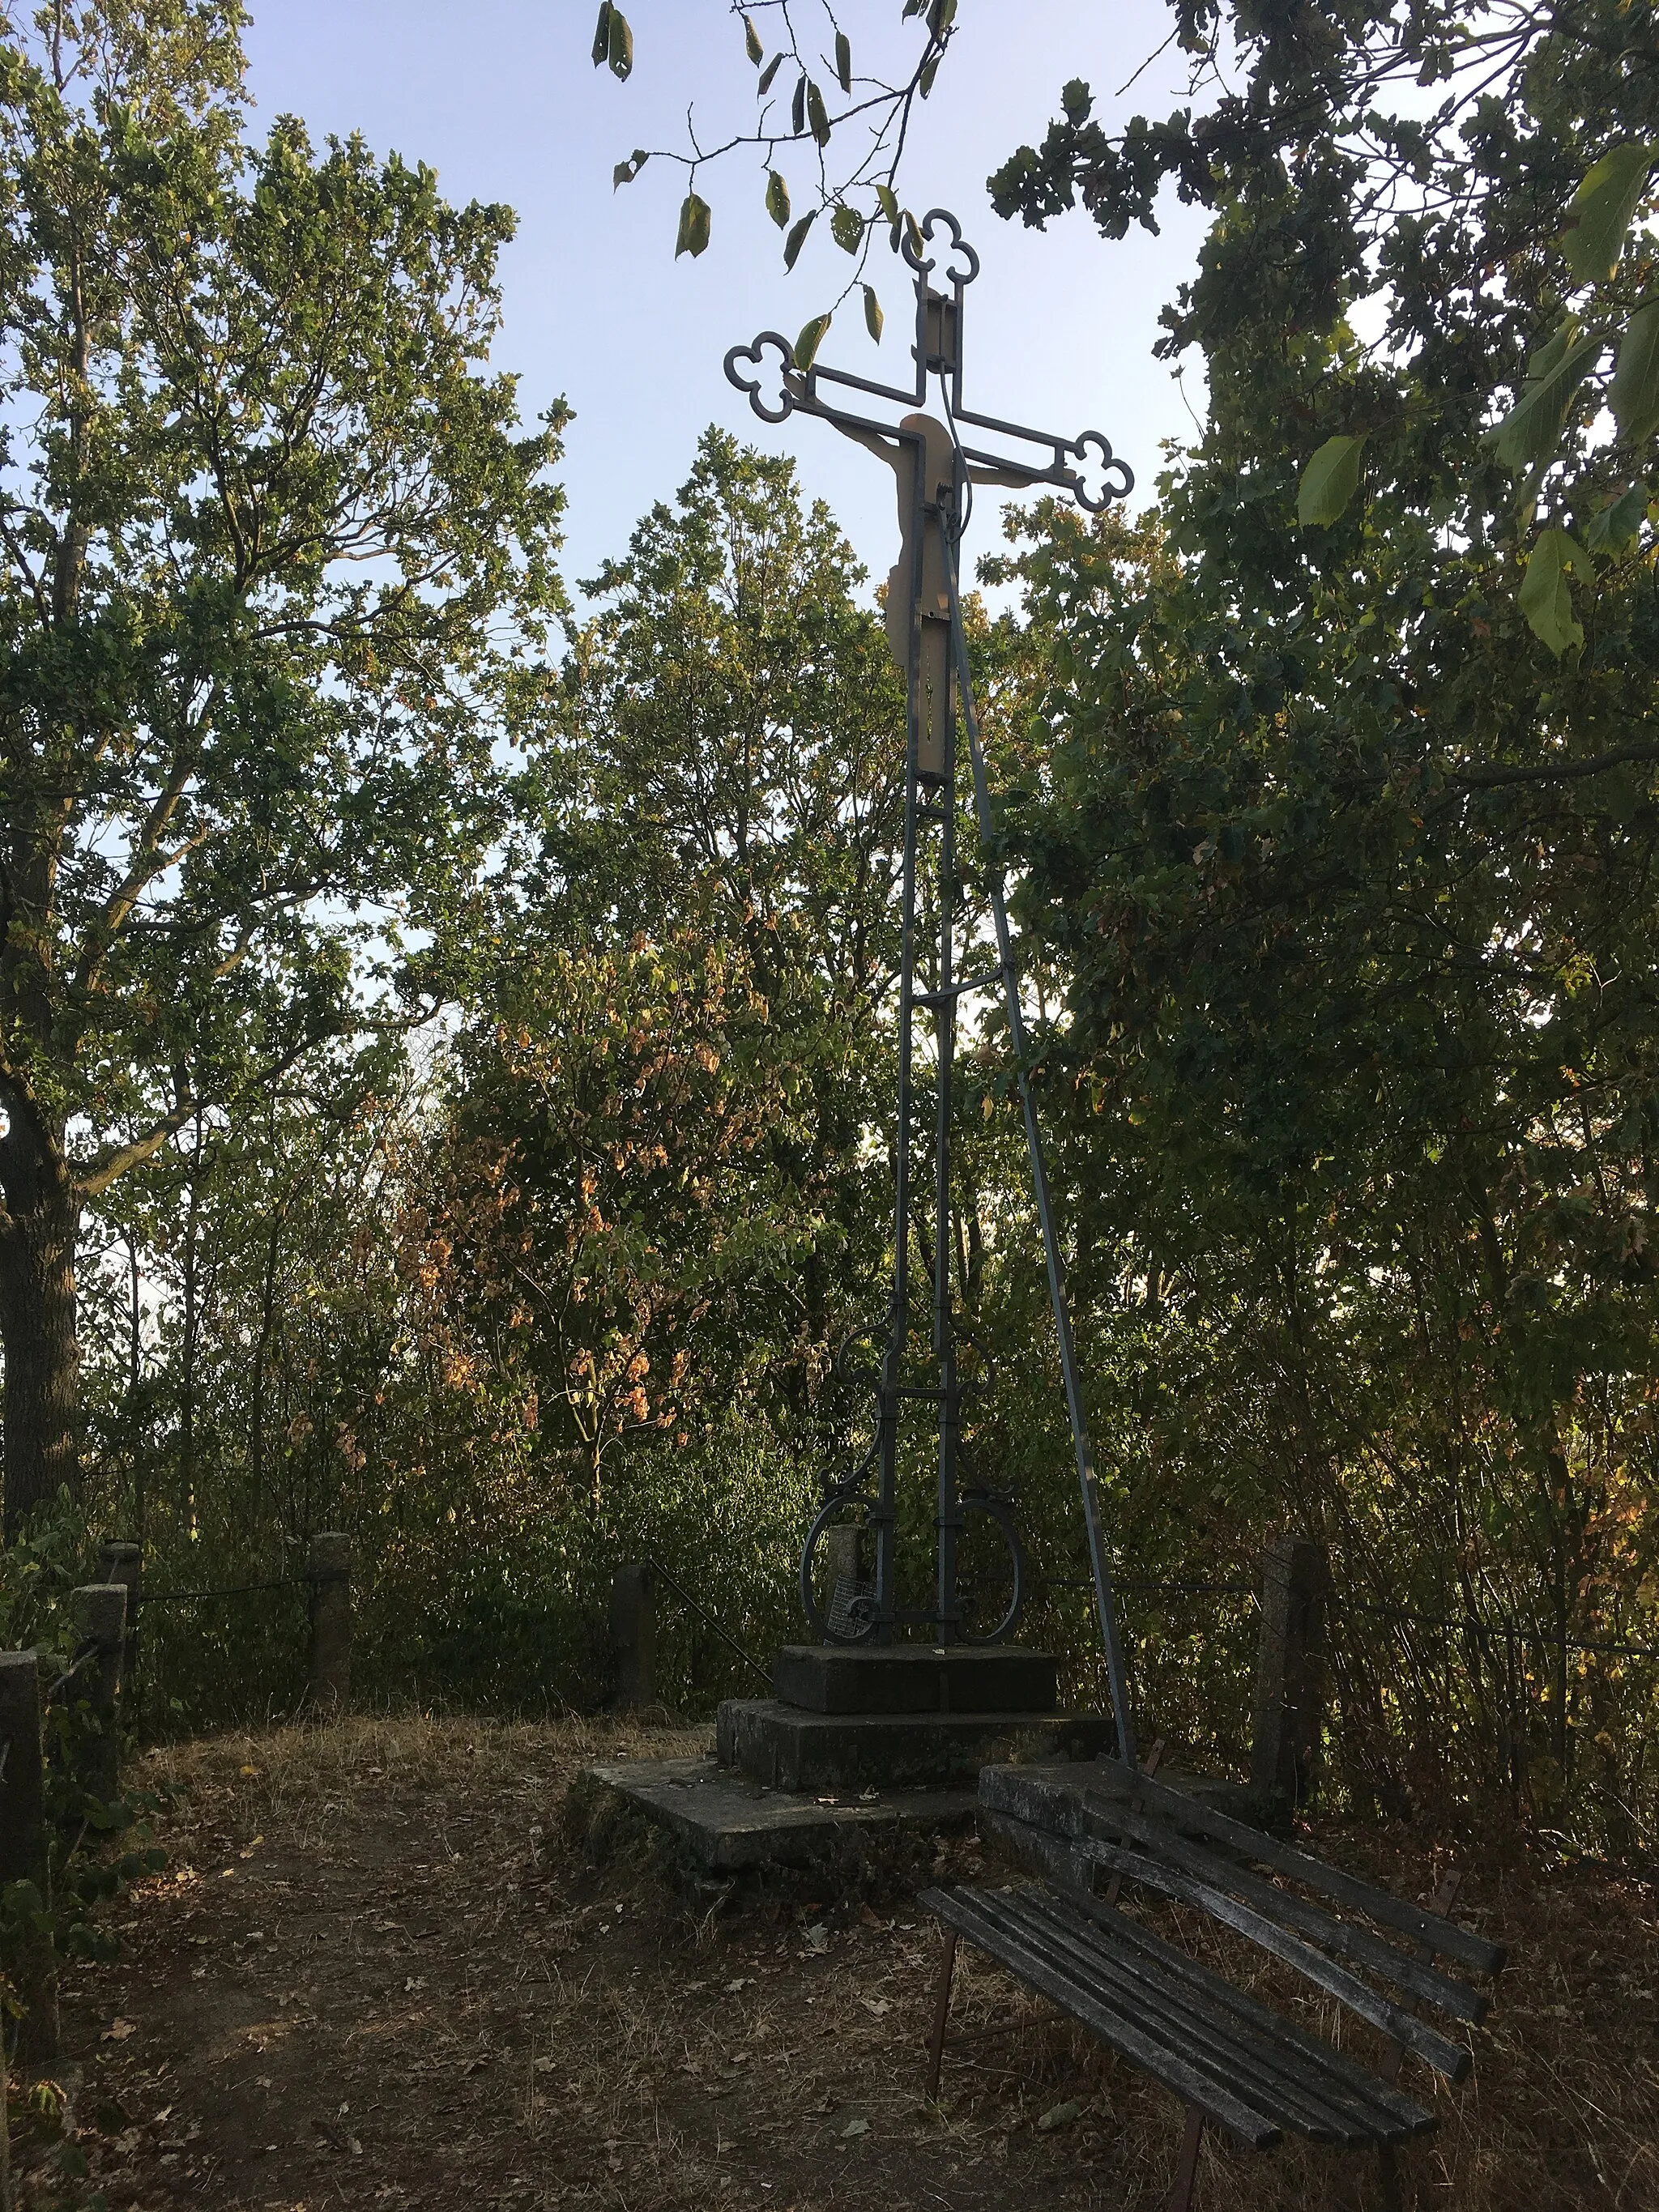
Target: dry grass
x=384 y=1971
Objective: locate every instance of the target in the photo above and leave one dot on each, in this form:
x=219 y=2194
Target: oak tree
x=271 y=536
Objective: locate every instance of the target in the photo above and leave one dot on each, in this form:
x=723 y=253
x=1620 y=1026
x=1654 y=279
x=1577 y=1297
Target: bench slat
x=1340 y=1935
x=1437 y=2050
x=958 y=1910
x=1397 y=2110
x=1070 y=1868
x=1306 y=2083
x=1445 y=1937
x=1180 y=2022
x=1248 y=2066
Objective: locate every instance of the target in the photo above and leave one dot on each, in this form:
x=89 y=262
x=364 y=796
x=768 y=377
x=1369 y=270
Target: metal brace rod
x=956 y=990
x=1082 y=1449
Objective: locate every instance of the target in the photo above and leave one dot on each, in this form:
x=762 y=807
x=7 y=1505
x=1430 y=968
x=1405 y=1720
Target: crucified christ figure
x=930 y=441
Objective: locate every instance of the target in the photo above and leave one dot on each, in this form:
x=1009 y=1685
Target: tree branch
x=100 y=1173
x=1488 y=779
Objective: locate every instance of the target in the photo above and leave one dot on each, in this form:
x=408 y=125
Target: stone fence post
x=328 y=1570
x=23 y=1853
x=1290 y=1674
x=634 y=1638
x=99 y=1613
x=123 y=1564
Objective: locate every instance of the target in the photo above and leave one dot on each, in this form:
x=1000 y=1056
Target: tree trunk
x=38 y=1221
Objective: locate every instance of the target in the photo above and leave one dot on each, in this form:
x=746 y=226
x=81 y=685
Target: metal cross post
x=935 y=466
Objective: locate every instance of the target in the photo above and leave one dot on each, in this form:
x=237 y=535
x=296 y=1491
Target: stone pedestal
x=857 y=1743
x=914 y=1678
x=899 y=1716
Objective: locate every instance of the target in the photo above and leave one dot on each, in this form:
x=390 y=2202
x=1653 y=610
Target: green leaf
x=1602 y=207
x=694 y=227
x=625 y=172
x=810 y=338
x=797 y=239
x=1634 y=394
x=1077 y=100
x=872 y=314
x=1058 y=2116
x=768 y=73
x=798 y=108
x=777 y=198
x=843 y=61
x=602 y=34
x=751 y=42
x=929 y=72
x=1329 y=481
x=847 y=228
x=818 y=115
x=621 y=45
x=940 y=16
x=1616 y=525
x=1532 y=429
x=887 y=201
x=1545 y=599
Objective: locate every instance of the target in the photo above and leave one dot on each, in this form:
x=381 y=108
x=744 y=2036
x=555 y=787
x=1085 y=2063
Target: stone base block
x=915 y=1678
x=726 y=1824
x=788 y=1748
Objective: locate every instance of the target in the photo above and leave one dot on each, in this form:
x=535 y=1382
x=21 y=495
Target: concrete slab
x=790 y=1749
x=727 y=1823
x=915 y=1678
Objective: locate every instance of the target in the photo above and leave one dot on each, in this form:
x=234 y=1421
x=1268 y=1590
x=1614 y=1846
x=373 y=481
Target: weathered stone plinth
x=855 y=1742
x=914 y=1678
x=789 y=1749
x=898 y=1717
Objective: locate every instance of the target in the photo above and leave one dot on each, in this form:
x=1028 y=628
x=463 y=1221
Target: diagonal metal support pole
x=1082 y=1449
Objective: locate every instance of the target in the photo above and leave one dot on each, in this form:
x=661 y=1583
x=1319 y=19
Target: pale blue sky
x=499 y=97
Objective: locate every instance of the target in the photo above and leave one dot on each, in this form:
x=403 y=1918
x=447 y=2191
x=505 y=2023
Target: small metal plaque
x=852 y=1607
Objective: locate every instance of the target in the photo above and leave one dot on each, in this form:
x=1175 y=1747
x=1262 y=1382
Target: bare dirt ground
x=384 y=1969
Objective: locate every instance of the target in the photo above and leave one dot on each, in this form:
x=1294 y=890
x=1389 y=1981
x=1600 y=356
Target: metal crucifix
x=934 y=467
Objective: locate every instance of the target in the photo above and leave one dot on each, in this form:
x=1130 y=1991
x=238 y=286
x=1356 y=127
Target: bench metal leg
x=1186 y=2180
x=947 y=1966
x=1387 y=2178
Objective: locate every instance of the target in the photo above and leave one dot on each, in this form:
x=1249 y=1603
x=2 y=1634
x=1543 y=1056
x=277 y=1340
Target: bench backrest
x=1122 y=1822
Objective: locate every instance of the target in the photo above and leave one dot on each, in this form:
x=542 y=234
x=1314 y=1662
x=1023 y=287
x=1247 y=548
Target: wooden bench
x=1235 y=2062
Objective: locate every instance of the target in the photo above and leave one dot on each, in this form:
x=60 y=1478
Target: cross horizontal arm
x=800 y=392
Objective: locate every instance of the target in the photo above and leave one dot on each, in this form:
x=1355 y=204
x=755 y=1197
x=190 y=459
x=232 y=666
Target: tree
x=1348 y=853
x=679 y=1053
x=273 y=540
x=722 y=745
x=1467 y=180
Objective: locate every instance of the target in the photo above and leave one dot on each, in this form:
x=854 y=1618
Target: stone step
x=915 y=1678
x=788 y=1748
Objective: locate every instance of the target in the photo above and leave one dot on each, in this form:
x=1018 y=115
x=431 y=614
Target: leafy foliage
x=858 y=194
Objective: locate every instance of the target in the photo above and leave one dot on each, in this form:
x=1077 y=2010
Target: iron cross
x=934 y=466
